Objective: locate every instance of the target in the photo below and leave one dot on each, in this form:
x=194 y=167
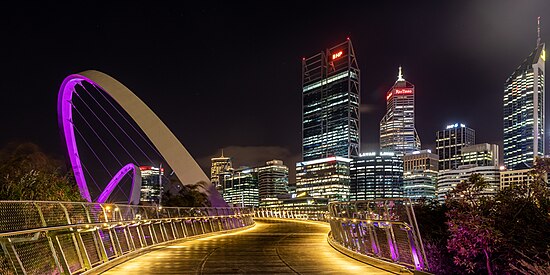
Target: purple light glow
x=65 y=119
x=392 y=250
x=417 y=263
x=116 y=179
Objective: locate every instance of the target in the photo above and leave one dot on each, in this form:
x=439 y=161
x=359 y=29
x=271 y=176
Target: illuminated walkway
x=288 y=247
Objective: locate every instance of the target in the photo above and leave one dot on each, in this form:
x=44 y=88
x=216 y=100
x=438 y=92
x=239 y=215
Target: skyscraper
x=420 y=175
x=449 y=143
x=376 y=175
x=272 y=180
x=330 y=103
x=482 y=154
x=241 y=188
x=524 y=110
x=151 y=184
x=325 y=178
x=397 y=130
x=220 y=166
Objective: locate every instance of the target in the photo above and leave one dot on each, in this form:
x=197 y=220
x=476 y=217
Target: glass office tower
x=330 y=103
x=524 y=111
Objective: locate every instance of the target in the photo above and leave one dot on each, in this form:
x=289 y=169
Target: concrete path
x=284 y=247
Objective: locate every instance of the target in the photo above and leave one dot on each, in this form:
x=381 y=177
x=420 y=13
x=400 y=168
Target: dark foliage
x=505 y=234
x=26 y=173
x=190 y=195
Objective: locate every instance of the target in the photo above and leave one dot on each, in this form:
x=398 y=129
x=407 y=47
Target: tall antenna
x=400 y=75
x=538 y=30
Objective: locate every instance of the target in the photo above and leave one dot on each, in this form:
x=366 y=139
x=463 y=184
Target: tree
x=472 y=236
x=27 y=173
x=430 y=216
x=190 y=195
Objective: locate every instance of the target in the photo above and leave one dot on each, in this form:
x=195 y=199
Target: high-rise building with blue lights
x=449 y=143
x=330 y=103
x=376 y=175
x=524 y=110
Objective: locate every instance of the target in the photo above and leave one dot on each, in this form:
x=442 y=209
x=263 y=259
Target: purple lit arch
x=176 y=156
x=136 y=184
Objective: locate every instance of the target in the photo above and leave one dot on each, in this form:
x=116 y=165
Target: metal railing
x=70 y=237
x=384 y=228
x=319 y=214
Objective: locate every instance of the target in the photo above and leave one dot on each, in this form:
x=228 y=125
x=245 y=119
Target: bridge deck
x=289 y=247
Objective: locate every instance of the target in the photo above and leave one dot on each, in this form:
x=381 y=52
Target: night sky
x=226 y=75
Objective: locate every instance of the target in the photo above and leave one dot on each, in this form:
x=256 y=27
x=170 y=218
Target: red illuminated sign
x=399 y=92
x=337 y=55
x=403 y=91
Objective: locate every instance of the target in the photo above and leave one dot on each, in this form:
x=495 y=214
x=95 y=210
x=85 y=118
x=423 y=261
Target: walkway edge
x=390 y=267
x=134 y=254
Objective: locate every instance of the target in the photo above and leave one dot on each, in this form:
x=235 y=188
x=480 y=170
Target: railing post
x=50 y=242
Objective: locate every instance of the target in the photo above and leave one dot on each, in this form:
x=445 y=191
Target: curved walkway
x=284 y=247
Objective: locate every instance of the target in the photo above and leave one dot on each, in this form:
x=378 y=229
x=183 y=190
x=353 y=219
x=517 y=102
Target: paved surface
x=284 y=247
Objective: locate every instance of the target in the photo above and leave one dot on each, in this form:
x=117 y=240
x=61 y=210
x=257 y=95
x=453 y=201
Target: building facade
x=330 y=103
x=483 y=154
x=272 y=180
x=397 y=130
x=376 y=175
x=510 y=178
x=524 y=105
x=241 y=188
x=324 y=178
x=151 y=184
x=220 y=166
x=449 y=144
x=420 y=175
x=449 y=179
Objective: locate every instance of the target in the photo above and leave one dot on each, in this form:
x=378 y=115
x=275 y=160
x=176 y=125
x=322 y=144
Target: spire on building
x=538 y=30
x=400 y=75
x=222 y=153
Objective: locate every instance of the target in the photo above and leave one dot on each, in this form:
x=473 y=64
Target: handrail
x=39 y=237
x=384 y=229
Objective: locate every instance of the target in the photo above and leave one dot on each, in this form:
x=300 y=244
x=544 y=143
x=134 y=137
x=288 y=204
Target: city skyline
x=155 y=75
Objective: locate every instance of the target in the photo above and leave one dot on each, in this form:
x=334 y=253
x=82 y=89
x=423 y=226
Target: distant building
x=324 y=178
x=303 y=202
x=483 y=154
x=510 y=178
x=330 y=103
x=397 y=130
x=376 y=175
x=524 y=116
x=220 y=165
x=151 y=184
x=449 y=144
x=272 y=180
x=449 y=179
x=420 y=175
x=241 y=188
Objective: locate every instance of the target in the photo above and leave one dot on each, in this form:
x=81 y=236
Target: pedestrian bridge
x=91 y=238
